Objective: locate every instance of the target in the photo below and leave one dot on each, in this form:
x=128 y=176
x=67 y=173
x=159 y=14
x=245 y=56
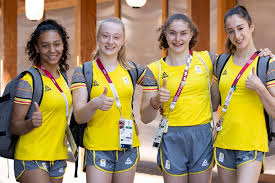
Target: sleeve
x=149 y=82
x=141 y=72
x=270 y=75
x=78 y=79
x=24 y=90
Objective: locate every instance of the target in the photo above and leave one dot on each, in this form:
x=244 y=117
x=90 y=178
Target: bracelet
x=154 y=107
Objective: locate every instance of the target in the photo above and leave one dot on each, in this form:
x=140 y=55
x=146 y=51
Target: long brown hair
x=121 y=57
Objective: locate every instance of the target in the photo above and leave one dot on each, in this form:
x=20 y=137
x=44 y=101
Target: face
x=110 y=38
x=50 y=47
x=238 y=31
x=178 y=36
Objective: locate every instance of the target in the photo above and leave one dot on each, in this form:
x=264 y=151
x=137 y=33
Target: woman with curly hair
x=40 y=152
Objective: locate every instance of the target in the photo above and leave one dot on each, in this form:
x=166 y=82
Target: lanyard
x=103 y=70
x=234 y=84
x=57 y=86
x=182 y=82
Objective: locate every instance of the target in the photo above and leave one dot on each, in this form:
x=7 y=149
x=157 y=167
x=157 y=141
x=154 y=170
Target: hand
x=103 y=102
x=253 y=82
x=265 y=52
x=36 y=118
x=163 y=95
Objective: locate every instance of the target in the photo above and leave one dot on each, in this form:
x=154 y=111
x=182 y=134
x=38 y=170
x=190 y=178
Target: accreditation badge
x=163 y=128
x=125 y=133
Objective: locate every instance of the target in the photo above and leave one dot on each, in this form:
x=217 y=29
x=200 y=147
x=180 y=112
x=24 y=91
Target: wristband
x=154 y=107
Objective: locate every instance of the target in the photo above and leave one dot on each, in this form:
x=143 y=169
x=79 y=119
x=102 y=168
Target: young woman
x=109 y=109
x=185 y=153
x=242 y=141
x=40 y=151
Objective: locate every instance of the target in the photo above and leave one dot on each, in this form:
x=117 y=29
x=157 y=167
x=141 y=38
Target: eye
x=104 y=36
x=183 y=33
x=56 y=44
x=44 y=45
x=172 y=33
x=230 y=31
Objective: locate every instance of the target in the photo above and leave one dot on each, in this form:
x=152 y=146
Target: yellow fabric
x=102 y=131
x=47 y=142
x=244 y=125
x=193 y=105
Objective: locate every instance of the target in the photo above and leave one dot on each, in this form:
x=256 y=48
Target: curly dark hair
x=242 y=12
x=162 y=37
x=44 y=26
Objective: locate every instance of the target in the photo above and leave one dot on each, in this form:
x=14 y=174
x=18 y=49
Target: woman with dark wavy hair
x=40 y=152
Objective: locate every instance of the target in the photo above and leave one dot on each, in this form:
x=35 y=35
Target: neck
x=109 y=62
x=177 y=59
x=245 y=52
x=51 y=69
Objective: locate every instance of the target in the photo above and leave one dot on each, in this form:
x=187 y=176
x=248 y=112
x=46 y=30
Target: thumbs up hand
x=253 y=82
x=36 y=118
x=103 y=102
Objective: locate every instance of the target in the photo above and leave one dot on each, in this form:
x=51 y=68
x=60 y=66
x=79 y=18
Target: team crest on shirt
x=47 y=88
x=164 y=75
x=198 y=68
x=126 y=81
x=95 y=83
x=224 y=72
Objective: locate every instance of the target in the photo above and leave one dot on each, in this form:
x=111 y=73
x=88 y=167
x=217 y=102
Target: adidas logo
x=47 y=88
x=128 y=161
x=164 y=75
x=205 y=163
x=224 y=72
x=95 y=83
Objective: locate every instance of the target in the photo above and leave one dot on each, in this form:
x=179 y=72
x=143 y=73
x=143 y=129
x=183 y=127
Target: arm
x=84 y=110
x=22 y=102
x=215 y=95
x=20 y=126
x=147 y=112
x=267 y=96
x=151 y=102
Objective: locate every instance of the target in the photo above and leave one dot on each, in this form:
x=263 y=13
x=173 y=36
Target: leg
x=204 y=177
x=125 y=177
x=34 y=176
x=227 y=176
x=249 y=172
x=174 y=179
x=57 y=180
x=95 y=175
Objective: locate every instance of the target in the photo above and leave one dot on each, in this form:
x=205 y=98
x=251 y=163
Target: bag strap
x=221 y=61
x=262 y=67
x=88 y=74
x=37 y=89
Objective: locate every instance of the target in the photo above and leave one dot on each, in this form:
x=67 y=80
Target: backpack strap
x=222 y=60
x=262 y=67
x=63 y=73
x=37 y=89
x=88 y=74
x=133 y=74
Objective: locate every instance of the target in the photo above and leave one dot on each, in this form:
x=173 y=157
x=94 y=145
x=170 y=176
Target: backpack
x=7 y=140
x=262 y=68
x=78 y=129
